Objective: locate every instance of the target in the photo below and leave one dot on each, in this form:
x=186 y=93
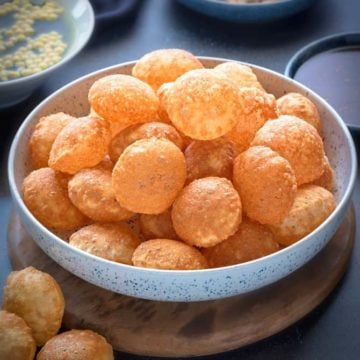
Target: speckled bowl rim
x=65 y=59
x=341 y=205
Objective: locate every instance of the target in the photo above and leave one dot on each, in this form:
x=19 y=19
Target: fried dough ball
x=241 y=74
x=207 y=212
x=81 y=144
x=16 y=341
x=46 y=196
x=161 y=93
x=149 y=175
x=37 y=298
x=44 y=135
x=209 y=158
x=158 y=226
x=266 y=184
x=123 y=100
x=203 y=104
x=168 y=255
x=300 y=106
x=114 y=242
x=259 y=107
x=77 y=345
x=143 y=131
x=164 y=65
x=115 y=128
x=298 y=142
x=312 y=205
x=251 y=241
x=327 y=179
x=90 y=190
x=105 y=164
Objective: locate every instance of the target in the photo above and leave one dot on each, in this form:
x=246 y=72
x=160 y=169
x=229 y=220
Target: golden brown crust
x=44 y=135
x=115 y=242
x=91 y=191
x=251 y=241
x=241 y=74
x=312 y=205
x=158 y=226
x=45 y=194
x=161 y=93
x=209 y=158
x=168 y=254
x=16 y=341
x=259 y=107
x=327 y=179
x=207 y=211
x=81 y=144
x=164 y=65
x=148 y=176
x=266 y=184
x=123 y=100
x=143 y=131
x=300 y=106
x=37 y=298
x=203 y=104
x=298 y=142
x=77 y=345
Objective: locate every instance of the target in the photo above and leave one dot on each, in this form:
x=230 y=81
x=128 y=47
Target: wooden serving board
x=173 y=329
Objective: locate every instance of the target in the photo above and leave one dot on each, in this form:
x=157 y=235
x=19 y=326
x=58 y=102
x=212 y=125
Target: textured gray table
x=332 y=330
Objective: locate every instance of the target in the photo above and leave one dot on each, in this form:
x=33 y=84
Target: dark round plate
x=330 y=67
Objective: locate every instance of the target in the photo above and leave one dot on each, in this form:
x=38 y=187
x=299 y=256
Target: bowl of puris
x=182 y=178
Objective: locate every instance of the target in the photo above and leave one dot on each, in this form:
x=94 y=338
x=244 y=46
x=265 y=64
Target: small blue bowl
x=248 y=13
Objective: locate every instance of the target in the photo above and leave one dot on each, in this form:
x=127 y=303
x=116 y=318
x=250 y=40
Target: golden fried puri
x=81 y=144
x=123 y=100
x=259 y=107
x=16 y=340
x=327 y=179
x=158 y=226
x=77 y=345
x=203 y=104
x=161 y=93
x=266 y=183
x=312 y=205
x=115 y=242
x=298 y=142
x=209 y=158
x=37 y=298
x=251 y=241
x=168 y=255
x=149 y=175
x=301 y=107
x=46 y=196
x=241 y=74
x=143 y=131
x=44 y=135
x=207 y=211
x=90 y=190
x=164 y=65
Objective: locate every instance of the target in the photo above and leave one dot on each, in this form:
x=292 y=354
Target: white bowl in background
x=80 y=21
x=192 y=285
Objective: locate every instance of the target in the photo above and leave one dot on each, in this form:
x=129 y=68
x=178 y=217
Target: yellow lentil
x=38 y=53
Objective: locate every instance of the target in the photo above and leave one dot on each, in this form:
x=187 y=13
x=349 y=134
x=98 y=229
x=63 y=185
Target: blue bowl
x=248 y=13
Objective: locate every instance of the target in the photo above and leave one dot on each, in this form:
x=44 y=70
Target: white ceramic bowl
x=79 y=19
x=185 y=285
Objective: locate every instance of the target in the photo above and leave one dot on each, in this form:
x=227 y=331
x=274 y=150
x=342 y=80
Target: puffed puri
x=266 y=183
x=16 y=340
x=203 y=104
x=168 y=254
x=149 y=175
x=207 y=211
x=77 y=345
x=81 y=144
x=37 y=298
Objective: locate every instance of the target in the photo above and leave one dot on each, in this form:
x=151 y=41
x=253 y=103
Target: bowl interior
x=72 y=99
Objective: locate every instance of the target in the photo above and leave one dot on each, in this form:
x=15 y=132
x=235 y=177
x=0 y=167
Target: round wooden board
x=152 y=328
